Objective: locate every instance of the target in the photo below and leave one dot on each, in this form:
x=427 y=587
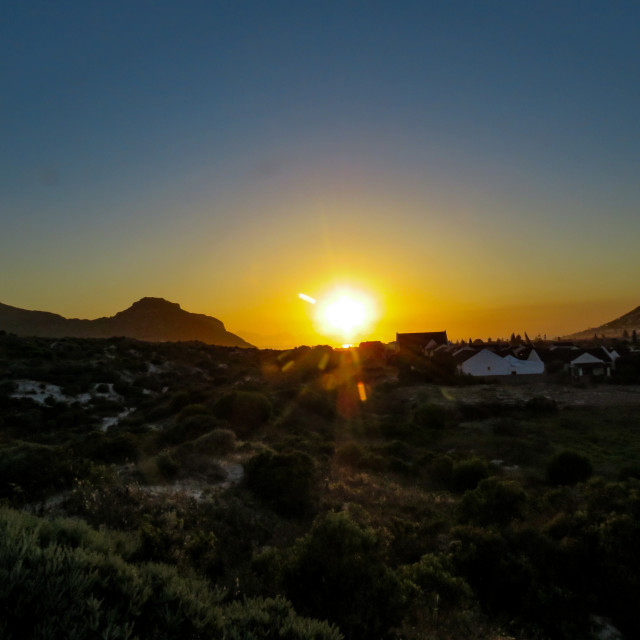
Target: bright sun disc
x=344 y=313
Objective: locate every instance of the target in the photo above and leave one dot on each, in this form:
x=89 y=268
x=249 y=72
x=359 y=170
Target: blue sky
x=481 y=158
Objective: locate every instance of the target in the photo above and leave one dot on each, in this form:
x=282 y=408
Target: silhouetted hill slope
x=615 y=328
x=151 y=319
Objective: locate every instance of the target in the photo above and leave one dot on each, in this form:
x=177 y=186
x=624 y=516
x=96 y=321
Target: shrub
x=322 y=404
x=437 y=586
x=441 y=471
x=107 y=448
x=629 y=471
x=350 y=454
x=568 y=468
x=245 y=410
x=31 y=471
x=55 y=591
x=283 y=481
x=192 y=410
x=189 y=428
x=263 y=618
x=516 y=576
x=180 y=399
x=337 y=571
x=541 y=405
x=494 y=501
x=216 y=442
x=50 y=589
x=167 y=466
x=466 y=474
x=432 y=416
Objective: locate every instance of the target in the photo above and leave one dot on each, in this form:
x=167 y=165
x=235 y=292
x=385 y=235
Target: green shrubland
x=191 y=491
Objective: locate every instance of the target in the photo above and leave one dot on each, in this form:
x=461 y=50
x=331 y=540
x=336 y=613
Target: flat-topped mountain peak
x=150 y=319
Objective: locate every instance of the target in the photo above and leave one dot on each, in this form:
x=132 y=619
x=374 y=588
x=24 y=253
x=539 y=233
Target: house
x=420 y=342
x=579 y=362
x=488 y=363
x=593 y=362
x=531 y=365
x=481 y=363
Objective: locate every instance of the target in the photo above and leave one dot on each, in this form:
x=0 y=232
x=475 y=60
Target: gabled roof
x=603 y=353
x=414 y=341
x=463 y=354
x=563 y=354
x=587 y=358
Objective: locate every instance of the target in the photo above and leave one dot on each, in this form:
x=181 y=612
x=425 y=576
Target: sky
x=468 y=166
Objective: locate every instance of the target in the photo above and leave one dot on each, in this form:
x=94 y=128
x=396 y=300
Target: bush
x=436 y=585
x=568 y=468
x=337 y=571
x=87 y=590
x=192 y=410
x=107 y=448
x=258 y=618
x=541 y=405
x=245 y=410
x=189 y=428
x=283 y=481
x=167 y=466
x=216 y=442
x=441 y=471
x=182 y=398
x=30 y=472
x=466 y=474
x=350 y=454
x=322 y=404
x=494 y=501
x=432 y=416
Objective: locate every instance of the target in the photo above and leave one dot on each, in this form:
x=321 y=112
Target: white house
x=488 y=363
x=532 y=365
x=588 y=364
x=485 y=363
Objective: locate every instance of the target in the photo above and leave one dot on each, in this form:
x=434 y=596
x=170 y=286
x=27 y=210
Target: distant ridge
x=613 y=329
x=150 y=319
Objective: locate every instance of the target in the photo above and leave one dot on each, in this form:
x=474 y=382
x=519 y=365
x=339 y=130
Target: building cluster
x=501 y=359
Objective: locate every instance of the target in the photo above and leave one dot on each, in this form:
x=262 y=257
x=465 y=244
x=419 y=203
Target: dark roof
x=464 y=354
x=566 y=354
x=420 y=340
x=562 y=354
x=600 y=352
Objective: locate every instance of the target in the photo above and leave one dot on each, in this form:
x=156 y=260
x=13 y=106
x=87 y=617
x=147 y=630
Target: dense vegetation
x=184 y=490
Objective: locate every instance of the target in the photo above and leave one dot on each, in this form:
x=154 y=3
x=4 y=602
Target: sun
x=344 y=313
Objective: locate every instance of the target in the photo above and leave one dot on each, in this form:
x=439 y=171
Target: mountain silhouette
x=150 y=319
x=613 y=329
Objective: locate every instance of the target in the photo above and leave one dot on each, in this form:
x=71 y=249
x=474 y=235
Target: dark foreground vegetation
x=180 y=490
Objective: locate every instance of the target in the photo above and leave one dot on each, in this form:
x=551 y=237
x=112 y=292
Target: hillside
x=150 y=319
x=261 y=493
x=628 y=322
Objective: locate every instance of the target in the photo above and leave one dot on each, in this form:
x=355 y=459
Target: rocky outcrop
x=151 y=319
